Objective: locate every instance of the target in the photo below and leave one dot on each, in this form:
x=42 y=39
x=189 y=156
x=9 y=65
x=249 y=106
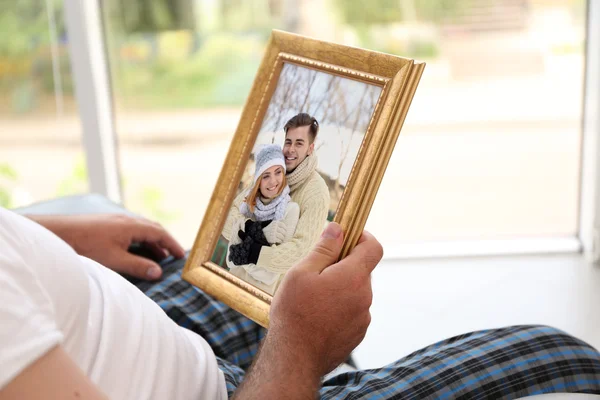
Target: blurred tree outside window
x=27 y=76
x=140 y=16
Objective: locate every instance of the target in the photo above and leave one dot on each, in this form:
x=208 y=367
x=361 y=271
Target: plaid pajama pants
x=504 y=363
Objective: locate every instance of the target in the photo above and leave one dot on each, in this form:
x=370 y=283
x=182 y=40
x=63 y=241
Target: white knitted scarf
x=273 y=210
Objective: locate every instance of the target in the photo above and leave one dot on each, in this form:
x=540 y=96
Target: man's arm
x=278 y=374
x=318 y=316
x=313 y=215
x=53 y=376
x=280 y=231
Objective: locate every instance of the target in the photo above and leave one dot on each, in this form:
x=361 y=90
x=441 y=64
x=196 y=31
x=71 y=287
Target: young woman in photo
x=267 y=202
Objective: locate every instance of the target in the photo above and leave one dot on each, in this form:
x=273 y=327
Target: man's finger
x=326 y=251
x=140 y=267
x=158 y=253
x=365 y=236
x=150 y=233
x=363 y=258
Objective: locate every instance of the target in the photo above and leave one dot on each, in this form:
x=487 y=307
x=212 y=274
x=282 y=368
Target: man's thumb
x=326 y=251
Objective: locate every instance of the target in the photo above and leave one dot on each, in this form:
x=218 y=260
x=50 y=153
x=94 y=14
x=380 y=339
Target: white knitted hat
x=266 y=157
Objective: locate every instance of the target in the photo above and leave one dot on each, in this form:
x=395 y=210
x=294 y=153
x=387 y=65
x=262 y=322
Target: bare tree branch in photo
x=336 y=109
x=325 y=94
x=327 y=97
x=279 y=102
x=358 y=111
x=289 y=89
x=311 y=82
x=272 y=111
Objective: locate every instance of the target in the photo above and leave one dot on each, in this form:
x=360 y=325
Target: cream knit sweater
x=310 y=192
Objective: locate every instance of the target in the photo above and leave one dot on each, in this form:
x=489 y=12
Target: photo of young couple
x=296 y=174
x=265 y=232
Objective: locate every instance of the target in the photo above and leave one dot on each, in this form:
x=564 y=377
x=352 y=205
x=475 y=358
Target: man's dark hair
x=303 y=119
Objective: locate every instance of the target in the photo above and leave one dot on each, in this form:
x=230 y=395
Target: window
x=490 y=149
x=41 y=155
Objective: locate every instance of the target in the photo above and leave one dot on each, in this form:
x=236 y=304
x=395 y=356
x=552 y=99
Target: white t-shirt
x=121 y=339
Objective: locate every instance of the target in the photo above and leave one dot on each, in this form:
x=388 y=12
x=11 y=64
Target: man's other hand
x=320 y=313
x=107 y=238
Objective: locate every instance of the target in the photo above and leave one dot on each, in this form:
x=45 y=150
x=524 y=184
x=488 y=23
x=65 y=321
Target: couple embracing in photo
x=277 y=220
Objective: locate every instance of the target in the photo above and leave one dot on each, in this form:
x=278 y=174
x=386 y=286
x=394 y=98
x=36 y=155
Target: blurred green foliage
x=149 y=16
x=8 y=176
x=148 y=201
x=216 y=66
x=220 y=73
x=25 y=26
x=378 y=12
x=26 y=70
x=217 y=63
x=76 y=181
x=358 y=12
x=153 y=207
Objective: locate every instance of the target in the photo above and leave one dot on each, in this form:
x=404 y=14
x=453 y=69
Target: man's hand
x=319 y=314
x=106 y=239
x=321 y=309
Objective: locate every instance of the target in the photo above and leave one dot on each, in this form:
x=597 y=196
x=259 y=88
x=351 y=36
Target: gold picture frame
x=398 y=79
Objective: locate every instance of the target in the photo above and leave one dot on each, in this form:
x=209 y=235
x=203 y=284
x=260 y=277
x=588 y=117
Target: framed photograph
x=312 y=145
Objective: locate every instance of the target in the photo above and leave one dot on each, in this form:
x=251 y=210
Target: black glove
x=248 y=225
x=255 y=231
x=244 y=253
x=238 y=253
x=255 y=249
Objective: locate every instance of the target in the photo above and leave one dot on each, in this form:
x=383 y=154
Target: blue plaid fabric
x=504 y=363
x=233 y=337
